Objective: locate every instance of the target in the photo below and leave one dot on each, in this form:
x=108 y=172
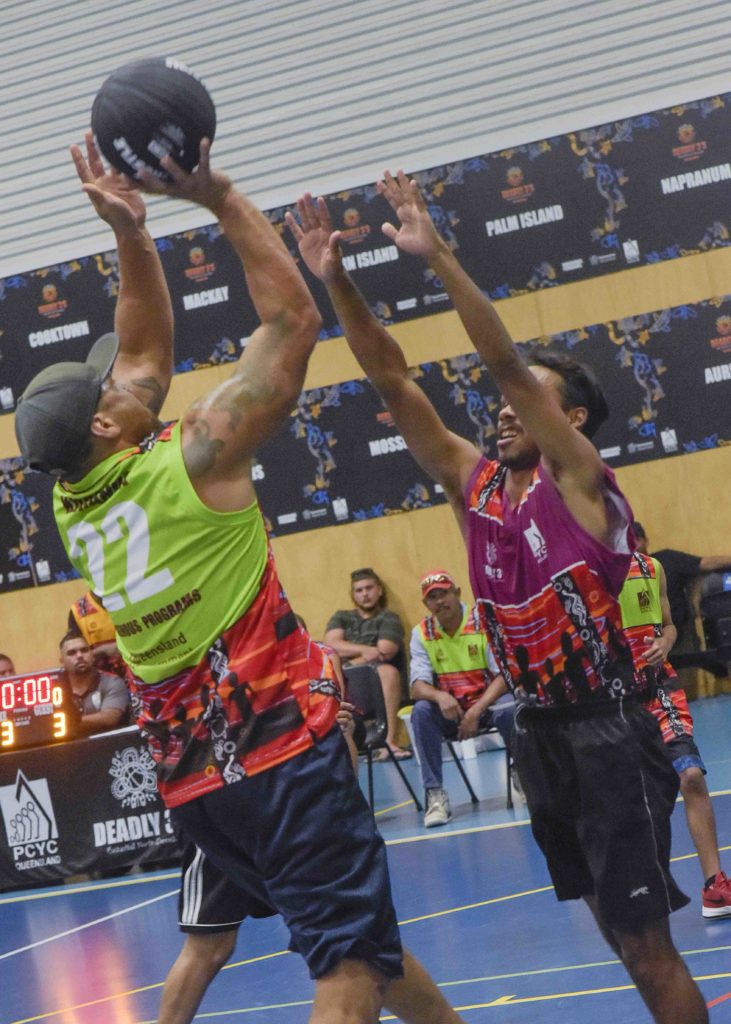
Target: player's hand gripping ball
x=149 y=109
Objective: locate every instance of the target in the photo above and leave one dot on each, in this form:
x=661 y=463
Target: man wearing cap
x=455 y=683
x=164 y=525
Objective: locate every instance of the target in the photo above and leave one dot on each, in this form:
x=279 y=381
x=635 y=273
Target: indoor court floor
x=473 y=899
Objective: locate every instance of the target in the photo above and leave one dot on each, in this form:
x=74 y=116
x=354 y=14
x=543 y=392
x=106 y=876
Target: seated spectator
x=7 y=668
x=101 y=698
x=89 y=618
x=680 y=570
x=455 y=684
x=369 y=633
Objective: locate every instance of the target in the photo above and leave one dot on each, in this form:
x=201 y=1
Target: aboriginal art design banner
x=650 y=188
x=340 y=459
x=47 y=833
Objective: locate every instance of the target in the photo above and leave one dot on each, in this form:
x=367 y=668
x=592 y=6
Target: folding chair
x=458 y=762
x=363 y=690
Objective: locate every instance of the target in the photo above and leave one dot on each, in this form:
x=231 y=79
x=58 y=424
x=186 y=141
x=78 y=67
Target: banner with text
x=340 y=458
x=646 y=189
x=48 y=833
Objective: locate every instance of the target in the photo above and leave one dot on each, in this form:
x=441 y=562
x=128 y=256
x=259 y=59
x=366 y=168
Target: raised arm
x=565 y=449
x=222 y=430
x=143 y=318
x=446 y=457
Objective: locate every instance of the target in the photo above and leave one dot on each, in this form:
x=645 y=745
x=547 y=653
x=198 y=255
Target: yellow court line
x=394 y=807
x=690 y=856
x=511 y=1000
x=566 y=967
x=472 y=906
x=445 y=984
x=143 y=988
x=413 y=920
x=175 y=875
x=456 y=832
x=405 y=840
x=168 y=876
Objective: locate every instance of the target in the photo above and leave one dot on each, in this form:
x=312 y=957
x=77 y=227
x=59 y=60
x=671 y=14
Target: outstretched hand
x=416 y=234
x=202 y=186
x=318 y=244
x=114 y=196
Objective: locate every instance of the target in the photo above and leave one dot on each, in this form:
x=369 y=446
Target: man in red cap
x=455 y=682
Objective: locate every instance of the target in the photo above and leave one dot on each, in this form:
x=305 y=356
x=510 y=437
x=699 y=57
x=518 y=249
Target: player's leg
x=660 y=974
x=415 y=998
x=628 y=789
x=701 y=820
x=430 y=727
x=351 y=993
x=676 y=723
x=656 y=968
x=391 y=685
x=198 y=963
x=210 y=910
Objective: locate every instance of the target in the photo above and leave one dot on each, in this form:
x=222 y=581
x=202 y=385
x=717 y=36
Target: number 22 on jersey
x=124 y=521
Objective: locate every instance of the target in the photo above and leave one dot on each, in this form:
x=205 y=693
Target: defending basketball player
x=238 y=706
x=549 y=544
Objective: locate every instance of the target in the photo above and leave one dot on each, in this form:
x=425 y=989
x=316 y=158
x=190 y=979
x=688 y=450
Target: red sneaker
x=717 y=897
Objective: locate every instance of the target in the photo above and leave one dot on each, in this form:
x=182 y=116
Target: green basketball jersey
x=172 y=573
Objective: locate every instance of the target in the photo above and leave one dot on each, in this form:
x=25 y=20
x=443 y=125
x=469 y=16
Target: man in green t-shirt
x=370 y=634
x=237 y=704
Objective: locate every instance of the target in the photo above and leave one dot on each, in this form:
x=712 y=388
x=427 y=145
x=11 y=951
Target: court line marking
x=410 y=920
x=88 y=887
x=393 y=807
x=174 y=875
x=137 y=991
x=404 y=840
x=88 y=924
x=443 y=984
x=507 y=1000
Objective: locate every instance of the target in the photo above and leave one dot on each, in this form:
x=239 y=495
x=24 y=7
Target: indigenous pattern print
x=547 y=590
x=672 y=713
x=263 y=693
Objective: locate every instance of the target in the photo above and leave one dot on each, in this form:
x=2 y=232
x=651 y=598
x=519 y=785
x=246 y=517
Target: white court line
x=89 y=924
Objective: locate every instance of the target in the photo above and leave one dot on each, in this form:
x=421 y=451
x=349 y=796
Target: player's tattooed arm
x=215 y=428
x=150 y=392
x=199 y=448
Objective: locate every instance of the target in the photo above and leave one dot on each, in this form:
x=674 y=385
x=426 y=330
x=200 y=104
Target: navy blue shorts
x=300 y=838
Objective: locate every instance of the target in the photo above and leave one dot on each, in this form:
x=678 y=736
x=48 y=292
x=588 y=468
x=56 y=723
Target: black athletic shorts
x=600 y=790
x=300 y=839
x=208 y=901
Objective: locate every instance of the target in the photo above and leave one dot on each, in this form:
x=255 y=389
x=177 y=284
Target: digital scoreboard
x=35 y=710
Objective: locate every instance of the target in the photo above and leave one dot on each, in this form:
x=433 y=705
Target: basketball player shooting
x=164 y=525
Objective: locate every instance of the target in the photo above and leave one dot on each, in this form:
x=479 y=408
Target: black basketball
x=152 y=108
